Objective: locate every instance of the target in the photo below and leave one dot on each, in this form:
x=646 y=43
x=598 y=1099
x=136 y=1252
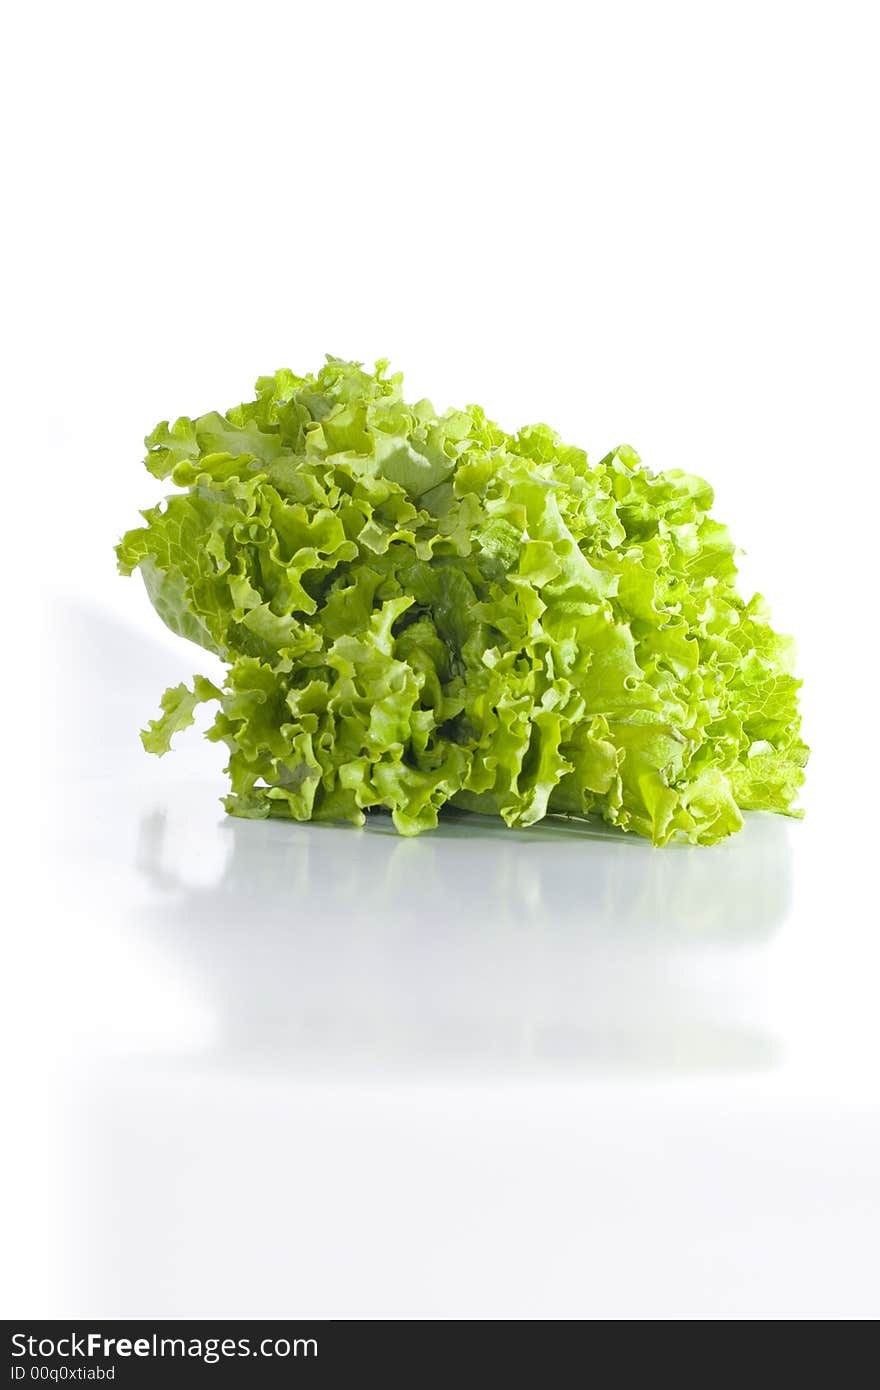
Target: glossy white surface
x=550 y=1073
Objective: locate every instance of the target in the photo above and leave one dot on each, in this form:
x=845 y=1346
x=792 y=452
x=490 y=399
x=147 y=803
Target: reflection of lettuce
x=418 y=609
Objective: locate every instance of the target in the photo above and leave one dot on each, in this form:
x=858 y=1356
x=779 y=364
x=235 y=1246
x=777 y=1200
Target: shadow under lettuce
x=332 y=951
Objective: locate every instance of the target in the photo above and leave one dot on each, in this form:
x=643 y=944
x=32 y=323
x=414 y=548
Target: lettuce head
x=417 y=610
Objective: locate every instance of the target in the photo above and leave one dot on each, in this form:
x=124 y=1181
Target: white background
x=265 y=1070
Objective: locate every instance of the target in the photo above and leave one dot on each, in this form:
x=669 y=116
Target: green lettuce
x=418 y=610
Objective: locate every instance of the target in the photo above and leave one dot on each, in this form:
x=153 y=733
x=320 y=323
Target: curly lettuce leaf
x=179 y=705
